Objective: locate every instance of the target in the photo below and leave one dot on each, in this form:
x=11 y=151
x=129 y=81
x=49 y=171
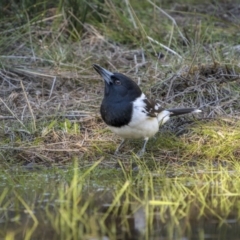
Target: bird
x=128 y=112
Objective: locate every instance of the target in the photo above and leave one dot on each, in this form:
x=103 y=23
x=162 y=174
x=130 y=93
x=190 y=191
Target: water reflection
x=203 y=228
x=131 y=225
x=54 y=209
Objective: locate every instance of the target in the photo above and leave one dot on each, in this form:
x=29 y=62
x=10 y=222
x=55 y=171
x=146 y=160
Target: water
x=76 y=204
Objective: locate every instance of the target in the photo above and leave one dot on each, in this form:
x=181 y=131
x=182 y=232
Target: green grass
x=58 y=171
x=171 y=194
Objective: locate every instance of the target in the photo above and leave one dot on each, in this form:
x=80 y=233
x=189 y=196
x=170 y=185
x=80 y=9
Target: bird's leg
x=119 y=147
x=142 y=151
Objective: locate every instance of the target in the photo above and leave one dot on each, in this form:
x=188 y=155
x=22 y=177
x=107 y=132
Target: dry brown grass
x=50 y=95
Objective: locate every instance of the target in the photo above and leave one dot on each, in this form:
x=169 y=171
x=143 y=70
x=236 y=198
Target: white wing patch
x=157 y=106
x=163 y=117
x=141 y=125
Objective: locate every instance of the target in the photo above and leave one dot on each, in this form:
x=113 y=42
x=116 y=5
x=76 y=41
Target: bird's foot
x=116 y=152
x=119 y=147
x=141 y=152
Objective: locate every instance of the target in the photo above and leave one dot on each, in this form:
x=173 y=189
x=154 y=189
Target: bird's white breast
x=141 y=125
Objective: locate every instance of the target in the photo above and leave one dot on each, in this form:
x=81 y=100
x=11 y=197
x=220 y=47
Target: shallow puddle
x=108 y=204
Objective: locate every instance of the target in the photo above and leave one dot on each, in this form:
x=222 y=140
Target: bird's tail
x=166 y=114
x=181 y=111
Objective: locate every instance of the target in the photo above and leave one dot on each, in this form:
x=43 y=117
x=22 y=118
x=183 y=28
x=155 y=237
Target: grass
x=80 y=199
x=184 y=54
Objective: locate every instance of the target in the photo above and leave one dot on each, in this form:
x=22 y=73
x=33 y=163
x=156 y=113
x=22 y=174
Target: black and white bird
x=128 y=112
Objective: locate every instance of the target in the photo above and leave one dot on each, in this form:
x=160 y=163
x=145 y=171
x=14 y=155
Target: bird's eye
x=117 y=82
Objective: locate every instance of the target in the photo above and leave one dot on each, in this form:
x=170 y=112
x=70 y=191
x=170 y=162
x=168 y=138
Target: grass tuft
x=58 y=171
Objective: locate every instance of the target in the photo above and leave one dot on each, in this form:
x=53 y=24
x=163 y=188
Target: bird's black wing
x=152 y=107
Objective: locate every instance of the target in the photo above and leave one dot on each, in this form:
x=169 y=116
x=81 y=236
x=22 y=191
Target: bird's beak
x=105 y=74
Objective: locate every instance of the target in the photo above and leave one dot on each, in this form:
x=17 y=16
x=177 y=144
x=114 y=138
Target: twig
x=136 y=63
x=193 y=60
x=6 y=117
x=53 y=84
x=23 y=112
x=165 y=47
x=33 y=23
x=130 y=13
x=172 y=19
x=170 y=86
x=40 y=59
x=12 y=112
x=30 y=36
x=29 y=106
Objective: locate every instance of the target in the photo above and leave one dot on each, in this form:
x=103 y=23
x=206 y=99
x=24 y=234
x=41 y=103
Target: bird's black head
x=118 y=87
x=120 y=92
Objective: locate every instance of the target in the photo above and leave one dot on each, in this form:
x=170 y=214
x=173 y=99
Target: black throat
x=116 y=114
x=117 y=105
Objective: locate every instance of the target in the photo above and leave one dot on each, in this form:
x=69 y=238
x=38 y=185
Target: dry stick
x=193 y=60
x=163 y=46
x=171 y=35
x=6 y=117
x=32 y=72
x=40 y=59
x=33 y=23
x=170 y=86
x=53 y=84
x=30 y=36
x=130 y=13
x=171 y=18
x=29 y=106
x=139 y=24
x=58 y=35
x=136 y=64
x=12 y=112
